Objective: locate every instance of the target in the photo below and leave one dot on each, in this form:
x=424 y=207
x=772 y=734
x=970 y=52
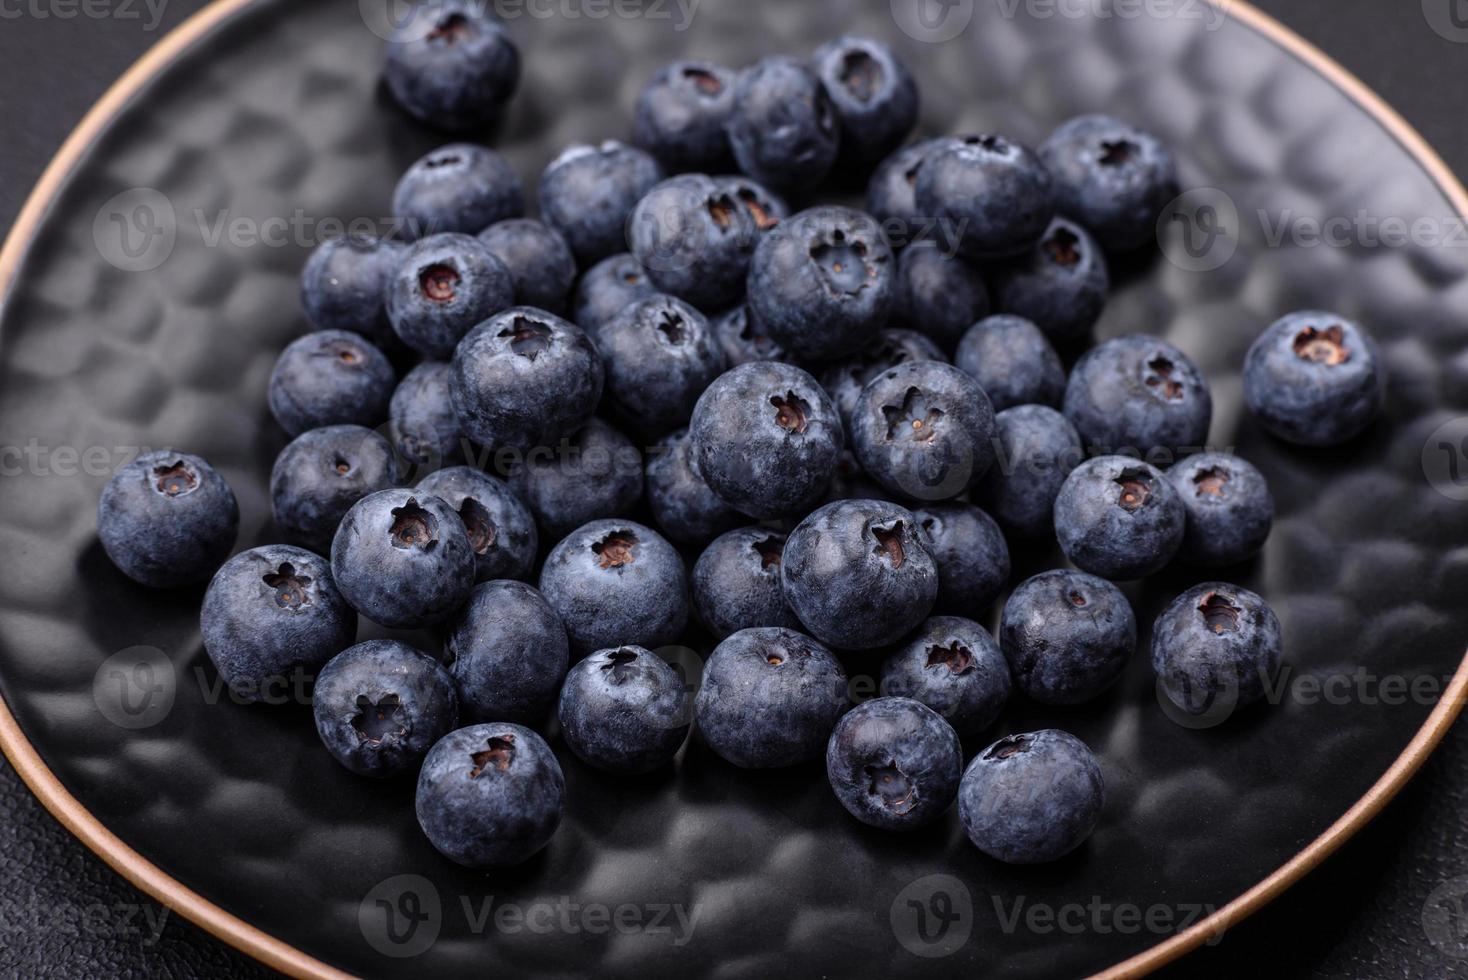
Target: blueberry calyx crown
x=438 y=282
x=771 y=550
x=1009 y=745
x=616 y=549
x=379 y=722
x=291 y=588
x=889 y=542
x=706 y=82
x=1063 y=248
x=1076 y=598
x=1136 y=489
x=441 y=160
x=414 y=527
x=497 y=754
x=764 y=217
x=617 y=663
x=1160 y=378
x=916 y=416
x=347 y=353
x=792 y=412
x=478 y=524
x=955 y=656
x=1220 y=613
x=1326 y=346
x=842 y=263
x=1117 y=153
x=529 y=337
x=451 y=29
x=1211 y=482
x=175 y=479
x=892 y=786
x=341 y=465
x=671 y=325
x=861 y=74
x=722 y=209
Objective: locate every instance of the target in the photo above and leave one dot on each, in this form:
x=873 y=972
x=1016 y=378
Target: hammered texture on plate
x=714 y=872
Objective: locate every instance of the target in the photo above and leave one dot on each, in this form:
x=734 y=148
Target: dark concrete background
x=63 y=913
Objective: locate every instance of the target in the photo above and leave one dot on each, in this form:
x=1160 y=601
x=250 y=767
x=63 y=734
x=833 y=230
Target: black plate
x=278 y=113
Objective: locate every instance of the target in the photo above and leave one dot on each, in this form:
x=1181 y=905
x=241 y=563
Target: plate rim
x=282 y=956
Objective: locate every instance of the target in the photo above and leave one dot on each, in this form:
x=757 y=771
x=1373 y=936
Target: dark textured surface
x=1325 y=927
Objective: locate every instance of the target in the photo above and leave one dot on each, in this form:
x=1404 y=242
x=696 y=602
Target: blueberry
x=507 y=652
x=682 y=502
x=595 y=472
x=766 y=438
x=403 y=559
x=501 y=529
x=858 y=575
x=322 y=473
x=381 y=705
x=784 y=130
x=736 y=582
x=1229 y=508
x=167 y=520
x=462 y=187
x=1314 y=379
x=694 y=239
x=1111 y=177
x=1215 y=648
x=1036 y=448
x=938 y=293
x=1067 y=636
x=424 y=428
x=874 y=94
x=1139 y=393
x=607 y=287
x=451 y=65
x=891 y=193
x=624 y=710
x=660 y=355
x=330 y=377
x=894 y=763
x=924 y=430
x=541 y=266
x=770 y=697
x=1012 y=361
x=1119 y=518
x=680 y=116
x=1031 y=798
x=587 y=193
x=991 y=195
x=845 y=379
x=270 y=612
x=1060 y=284
x=953 y=666
x=821 y=283
x=971 y=553
x=524 y=378
x=743 y=340
x=443 y=287
x=490 y=796
x=614 y=582
x=344 y=284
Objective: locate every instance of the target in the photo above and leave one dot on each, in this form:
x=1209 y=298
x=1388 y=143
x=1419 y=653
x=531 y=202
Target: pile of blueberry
x=831 y=395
